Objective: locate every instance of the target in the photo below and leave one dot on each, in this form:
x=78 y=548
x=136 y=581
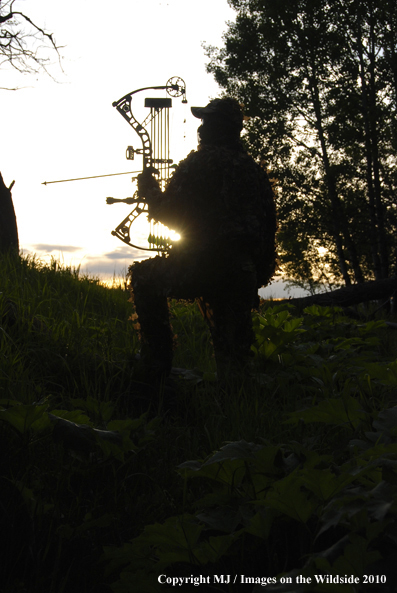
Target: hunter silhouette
x=222 y=204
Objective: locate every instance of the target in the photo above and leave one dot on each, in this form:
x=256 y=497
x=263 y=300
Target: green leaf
x=83 y=438
x=346 y=411
x=356 y=557
x=235 y=450
x=23 y=417
x=101 y=409
x=9 y=402
x=289 y=497
x=223 y=518
x=261 y=523
x=385 y=373
x=325 y=484
x=213 y=549
x=386 y=422
x=77 y=416
x=174 y=541
x=116 y=557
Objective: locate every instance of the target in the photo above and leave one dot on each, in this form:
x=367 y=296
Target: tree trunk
x=369 y=155
x=339 y=222
x=336 y=211
x=348 y=296
x=8 y=222
x=373 y=115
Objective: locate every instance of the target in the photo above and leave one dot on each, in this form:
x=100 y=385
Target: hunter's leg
x=229 y=319
x=151 y=305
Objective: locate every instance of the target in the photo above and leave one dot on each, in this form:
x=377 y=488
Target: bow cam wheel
x=176 y=86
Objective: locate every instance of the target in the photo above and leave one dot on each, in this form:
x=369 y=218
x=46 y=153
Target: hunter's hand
x=147 y=183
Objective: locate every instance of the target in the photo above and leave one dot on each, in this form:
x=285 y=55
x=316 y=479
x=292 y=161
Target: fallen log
x=8 y=222
x=348 y=296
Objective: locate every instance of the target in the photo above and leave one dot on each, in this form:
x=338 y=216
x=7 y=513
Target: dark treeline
x=318 y=79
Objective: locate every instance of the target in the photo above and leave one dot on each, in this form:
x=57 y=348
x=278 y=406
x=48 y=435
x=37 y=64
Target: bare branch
x=39 y=29
x=5 y=18
x=23 y=42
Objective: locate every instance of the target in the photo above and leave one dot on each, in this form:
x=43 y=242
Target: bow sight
x=155 y=153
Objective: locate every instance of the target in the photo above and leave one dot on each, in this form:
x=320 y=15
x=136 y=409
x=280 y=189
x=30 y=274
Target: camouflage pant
x=226 y=289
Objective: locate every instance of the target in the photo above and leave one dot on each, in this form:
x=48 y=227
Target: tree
x=8 y=223
x=24 y=45
x=318 y=79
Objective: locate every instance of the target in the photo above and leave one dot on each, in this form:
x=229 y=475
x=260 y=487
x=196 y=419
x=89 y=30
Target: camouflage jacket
x=220 y=200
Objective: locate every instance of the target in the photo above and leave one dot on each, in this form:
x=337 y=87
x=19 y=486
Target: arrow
x=92 y=177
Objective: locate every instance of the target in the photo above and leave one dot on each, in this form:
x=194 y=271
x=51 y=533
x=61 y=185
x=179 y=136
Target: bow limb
x=123 y=106
x=122 y=231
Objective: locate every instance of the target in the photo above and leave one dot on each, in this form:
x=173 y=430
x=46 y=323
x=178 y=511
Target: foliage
x=301 y=477
x=317 y=79
x=68 y=445
x=322 y=503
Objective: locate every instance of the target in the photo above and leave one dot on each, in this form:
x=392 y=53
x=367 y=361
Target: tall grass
x=67 y=334
x=86 y=460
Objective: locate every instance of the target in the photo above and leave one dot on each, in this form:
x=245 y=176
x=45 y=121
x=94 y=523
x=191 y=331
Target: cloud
x=106 y=266
x=114 y=263
x=118 y=254
x=50 y=248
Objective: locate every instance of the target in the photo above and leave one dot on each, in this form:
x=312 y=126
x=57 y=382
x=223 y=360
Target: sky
x=65 y=126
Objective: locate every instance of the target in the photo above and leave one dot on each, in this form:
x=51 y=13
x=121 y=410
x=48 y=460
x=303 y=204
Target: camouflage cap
x=227 y=109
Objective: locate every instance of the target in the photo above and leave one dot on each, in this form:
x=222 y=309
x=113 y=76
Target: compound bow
x=155 y=153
